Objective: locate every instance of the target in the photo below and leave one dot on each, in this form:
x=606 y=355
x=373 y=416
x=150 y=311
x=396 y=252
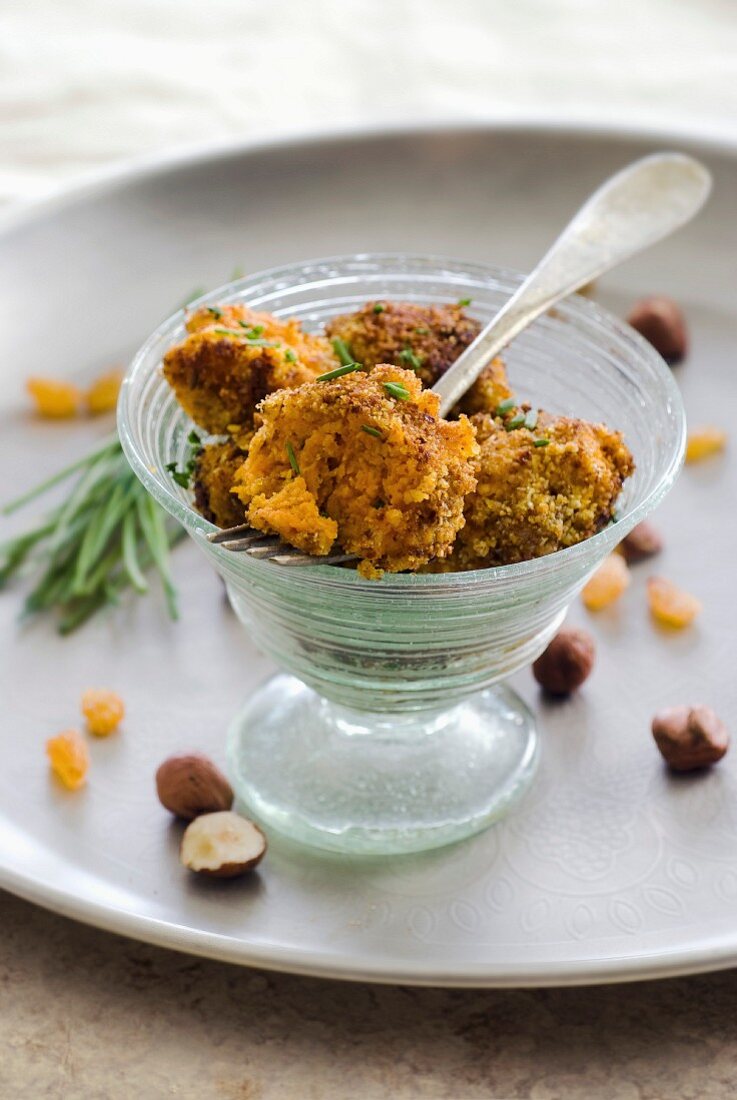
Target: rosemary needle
x=95 y=544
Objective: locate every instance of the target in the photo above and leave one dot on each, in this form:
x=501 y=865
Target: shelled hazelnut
x=191 y=785
x=566 y=663
x=690 y=738
x=660 y=320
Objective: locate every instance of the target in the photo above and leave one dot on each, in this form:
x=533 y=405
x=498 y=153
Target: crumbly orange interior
x=363 y=458
x=349 y=463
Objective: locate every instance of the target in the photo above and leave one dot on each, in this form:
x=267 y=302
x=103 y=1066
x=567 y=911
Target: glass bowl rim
x=596 y=546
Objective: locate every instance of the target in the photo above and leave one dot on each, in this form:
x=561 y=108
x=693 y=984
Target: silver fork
x=630 y=211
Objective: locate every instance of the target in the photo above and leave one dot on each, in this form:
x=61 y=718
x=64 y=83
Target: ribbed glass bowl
x=389 y=735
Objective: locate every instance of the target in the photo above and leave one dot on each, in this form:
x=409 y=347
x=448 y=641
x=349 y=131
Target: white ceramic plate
x=612 y=869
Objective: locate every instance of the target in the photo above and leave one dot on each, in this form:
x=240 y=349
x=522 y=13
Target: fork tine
x=229 y=533
x=269 y=550
x=255 y=541
x=298 y=558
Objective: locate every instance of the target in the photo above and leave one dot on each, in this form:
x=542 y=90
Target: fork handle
x=632 y=210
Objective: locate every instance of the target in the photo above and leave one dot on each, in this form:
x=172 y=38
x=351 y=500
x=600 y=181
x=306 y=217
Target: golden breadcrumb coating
x=427 y=339
x=214 y=474
x=489 y=390
x=392 y=494
x=532 y=500
x=233 y=357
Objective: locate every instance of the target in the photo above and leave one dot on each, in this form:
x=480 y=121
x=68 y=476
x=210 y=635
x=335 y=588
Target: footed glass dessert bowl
x=390 y=729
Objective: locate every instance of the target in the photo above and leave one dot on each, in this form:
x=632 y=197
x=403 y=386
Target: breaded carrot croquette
x=233 y=357
x=365 y=459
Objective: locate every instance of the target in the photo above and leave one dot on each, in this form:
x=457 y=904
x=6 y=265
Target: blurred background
x=85 y=84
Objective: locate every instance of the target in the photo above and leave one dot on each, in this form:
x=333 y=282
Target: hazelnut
x=660 y=320
x=643 y=541
x=191 y=785
x=566 y=663
x=222 y=845
x=690 y=737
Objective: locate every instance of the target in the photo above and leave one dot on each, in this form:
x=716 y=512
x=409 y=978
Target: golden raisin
x=53 y=398
x=102 y=396
x=607 y=584
x=103 y=710
x=670 y=605
x=704 y=442
x=69 y=758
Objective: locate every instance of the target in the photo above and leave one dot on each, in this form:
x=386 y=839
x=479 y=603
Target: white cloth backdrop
x=84 y=83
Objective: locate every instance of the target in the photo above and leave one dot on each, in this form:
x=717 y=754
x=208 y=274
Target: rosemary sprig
x=95 y=544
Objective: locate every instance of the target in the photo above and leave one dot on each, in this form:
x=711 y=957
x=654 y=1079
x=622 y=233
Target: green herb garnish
x=371 y=431
x=292 y=457
x=253 y=331
x=422 y=331
x=540 y=442
x=379 y=307
x=531 y=419
x=184 y=476
x=504 y=406
x=290 y=356
x=252 y=341
x=515 y=422
x=347 y=368
x=414 y=362
x=397 y=390
x=217 y=313
x=95 y=544
x=342 y=350
x=464 y=301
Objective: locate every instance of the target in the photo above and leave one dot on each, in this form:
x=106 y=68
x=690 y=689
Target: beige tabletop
x=85 y=1015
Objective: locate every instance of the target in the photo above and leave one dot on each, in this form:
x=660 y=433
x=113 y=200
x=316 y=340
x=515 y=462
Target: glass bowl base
x=351 y=781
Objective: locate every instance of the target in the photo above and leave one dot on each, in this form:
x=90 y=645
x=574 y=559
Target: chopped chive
x=464 y=301
x=531 y=419
x=292 y=457
x=290 y=356
x=184 y=476
x=414 y=362
x=253 y=331
x=250 y=340
x=217 y=313
x=515 y=422
x=347 y=368
x=371 y=431
x=342 y=350
x=180 y=476
x=504 y=406
x=397 y=390
x=422 y=331
x=379 y=307
x=540 y=442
